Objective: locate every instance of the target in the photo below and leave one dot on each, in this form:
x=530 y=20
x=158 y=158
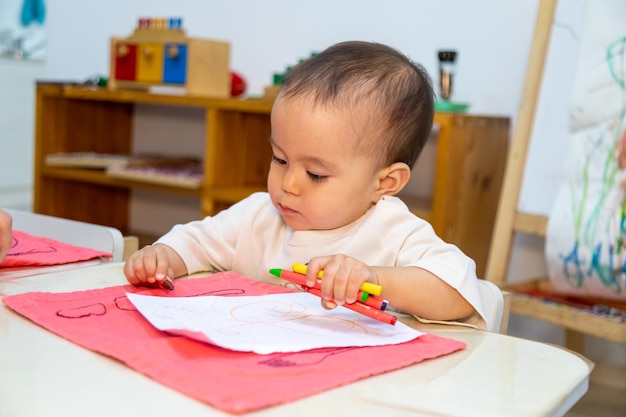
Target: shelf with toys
x=160 y=54
x=468 y=158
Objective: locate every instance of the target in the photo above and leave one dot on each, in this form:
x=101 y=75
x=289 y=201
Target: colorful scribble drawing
x=267 y=324
x=279 y=313
x=598 y=196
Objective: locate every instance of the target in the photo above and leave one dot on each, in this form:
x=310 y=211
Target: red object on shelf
x=238 y=84
x=126 y=62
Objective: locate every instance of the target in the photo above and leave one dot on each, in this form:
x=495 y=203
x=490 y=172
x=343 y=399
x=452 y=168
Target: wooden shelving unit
x=469 y=167
x=470 y=160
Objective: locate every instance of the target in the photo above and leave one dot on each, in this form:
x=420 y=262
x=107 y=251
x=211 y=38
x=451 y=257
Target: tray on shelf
x=185 y=172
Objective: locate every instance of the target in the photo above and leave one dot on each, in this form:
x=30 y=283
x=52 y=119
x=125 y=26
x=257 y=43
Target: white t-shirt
x=251 y=238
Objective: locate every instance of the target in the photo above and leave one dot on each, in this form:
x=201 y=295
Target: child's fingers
x=148 y=270
x=314 y=266
x=140 y=267
x=338 y=287
x=343 y=277
x=162 y=262
x=130 y=271
x=335 y=278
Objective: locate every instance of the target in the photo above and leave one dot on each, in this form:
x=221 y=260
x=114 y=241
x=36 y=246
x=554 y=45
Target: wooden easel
x=510 y=220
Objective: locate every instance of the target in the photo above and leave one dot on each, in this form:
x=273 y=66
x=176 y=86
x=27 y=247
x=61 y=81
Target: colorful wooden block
x=159 y=54
x=125 y=61
x=175 y=63
x=150 y=63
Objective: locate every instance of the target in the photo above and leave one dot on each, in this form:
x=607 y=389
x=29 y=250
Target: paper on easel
x=586 y=234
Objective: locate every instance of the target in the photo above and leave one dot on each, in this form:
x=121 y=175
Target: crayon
x=167 y=284
x=363 y=309
x=300 y=279
x=367 y=287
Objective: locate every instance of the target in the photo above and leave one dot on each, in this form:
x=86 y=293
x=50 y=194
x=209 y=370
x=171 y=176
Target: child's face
x=319 y=178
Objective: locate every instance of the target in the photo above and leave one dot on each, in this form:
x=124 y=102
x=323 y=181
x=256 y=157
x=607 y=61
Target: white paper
x=586 y=234
x=268 y=323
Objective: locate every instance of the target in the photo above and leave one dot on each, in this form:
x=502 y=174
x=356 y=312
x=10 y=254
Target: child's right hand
x=153 y=264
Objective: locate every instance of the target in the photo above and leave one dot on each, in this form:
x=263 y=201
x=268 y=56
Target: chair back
x=89 y=235
x=495 y=306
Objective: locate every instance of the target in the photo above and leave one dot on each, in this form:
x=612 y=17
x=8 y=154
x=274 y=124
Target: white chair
x=496 y=306
x=89 y=235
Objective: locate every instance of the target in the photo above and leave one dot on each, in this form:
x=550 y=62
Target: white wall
x=17 y=115
x=493 y=38
x=17 y=93
x=269 y=35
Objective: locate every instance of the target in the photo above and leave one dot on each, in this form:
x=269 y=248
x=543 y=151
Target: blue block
x=175 y=68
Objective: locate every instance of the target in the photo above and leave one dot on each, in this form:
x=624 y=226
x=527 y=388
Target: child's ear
x=393 y=178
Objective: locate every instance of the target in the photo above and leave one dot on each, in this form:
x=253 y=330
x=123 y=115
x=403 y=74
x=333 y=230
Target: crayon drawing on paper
x=586 y=237
x=269 y=323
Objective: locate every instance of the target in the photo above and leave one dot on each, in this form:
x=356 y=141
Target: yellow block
x=150 y=62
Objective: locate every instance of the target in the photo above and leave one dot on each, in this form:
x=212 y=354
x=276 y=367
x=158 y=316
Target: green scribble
x=605 y=264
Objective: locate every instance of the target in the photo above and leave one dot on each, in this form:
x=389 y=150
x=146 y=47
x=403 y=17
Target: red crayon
x=359 y=307
x=299 y=279
x=363 y=309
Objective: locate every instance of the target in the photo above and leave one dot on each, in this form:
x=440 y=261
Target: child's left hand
x=342 y=280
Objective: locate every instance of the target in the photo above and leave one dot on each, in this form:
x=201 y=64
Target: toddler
x=346 y=128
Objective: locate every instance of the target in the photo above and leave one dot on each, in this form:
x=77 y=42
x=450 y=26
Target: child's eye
x=278 y=160
x=316 y=177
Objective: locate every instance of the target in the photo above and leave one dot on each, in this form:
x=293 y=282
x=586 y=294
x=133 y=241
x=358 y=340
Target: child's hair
x=352 y=73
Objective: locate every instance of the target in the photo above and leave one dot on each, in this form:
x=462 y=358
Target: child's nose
x=290 y=182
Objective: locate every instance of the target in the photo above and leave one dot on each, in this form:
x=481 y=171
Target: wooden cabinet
x=470 y=159
x=469 y=166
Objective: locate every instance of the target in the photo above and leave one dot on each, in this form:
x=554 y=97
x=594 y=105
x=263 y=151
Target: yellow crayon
x=368 y=287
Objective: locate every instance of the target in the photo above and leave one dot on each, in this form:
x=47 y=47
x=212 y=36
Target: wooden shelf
x=132 y=96
x=469 y=160
x=564 y=315
x=99 y=177
x=569 y=317
x=79 y=119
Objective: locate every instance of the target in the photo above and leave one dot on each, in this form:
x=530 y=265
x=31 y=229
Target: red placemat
x=29 y=250
x=105 y=321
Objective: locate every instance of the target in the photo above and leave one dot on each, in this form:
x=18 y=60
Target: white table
x=42 y=374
